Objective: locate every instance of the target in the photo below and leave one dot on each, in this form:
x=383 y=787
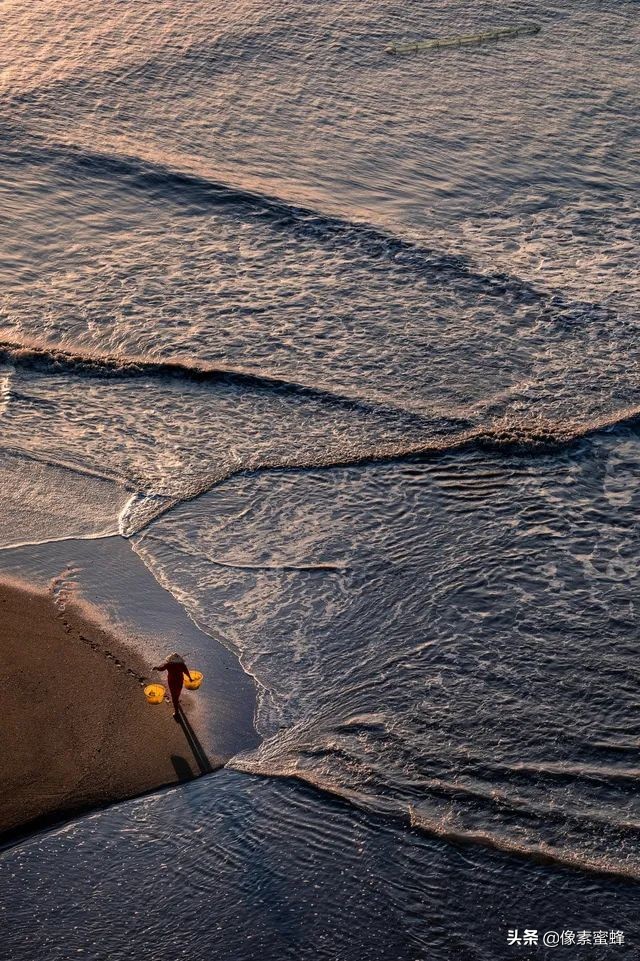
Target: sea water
x=344 y=345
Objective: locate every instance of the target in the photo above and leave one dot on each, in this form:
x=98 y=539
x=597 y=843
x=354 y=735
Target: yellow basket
x=196 y=681
x=154 y=693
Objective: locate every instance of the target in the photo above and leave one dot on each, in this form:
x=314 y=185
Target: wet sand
x=77 y=731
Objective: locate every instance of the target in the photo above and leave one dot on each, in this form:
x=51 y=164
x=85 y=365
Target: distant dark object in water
x=466 y=41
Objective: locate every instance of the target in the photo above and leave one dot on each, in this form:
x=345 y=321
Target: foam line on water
x=507 y=436
x=32 y=354
x=539 y=853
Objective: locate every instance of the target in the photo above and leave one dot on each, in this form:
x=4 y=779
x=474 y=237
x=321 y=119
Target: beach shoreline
x=78 y=732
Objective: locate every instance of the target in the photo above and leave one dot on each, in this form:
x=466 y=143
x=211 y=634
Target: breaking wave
x=538 y=852
x=55 y=359
x=480 y=428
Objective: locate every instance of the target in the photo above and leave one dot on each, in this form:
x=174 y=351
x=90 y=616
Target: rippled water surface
x=345 y=344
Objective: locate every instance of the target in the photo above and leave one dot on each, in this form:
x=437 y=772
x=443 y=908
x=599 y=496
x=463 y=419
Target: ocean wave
x=182 y=185
x=515 y=431
x=510 y=435
x=538 y=852
x=480 y=428
x=62 y=359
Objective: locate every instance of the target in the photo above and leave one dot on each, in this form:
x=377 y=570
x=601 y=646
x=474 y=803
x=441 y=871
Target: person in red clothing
x=176 y=669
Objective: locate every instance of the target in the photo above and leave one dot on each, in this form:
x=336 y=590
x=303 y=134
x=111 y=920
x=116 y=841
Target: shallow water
x=241 y=867
x=451 y=641
x=344 y=343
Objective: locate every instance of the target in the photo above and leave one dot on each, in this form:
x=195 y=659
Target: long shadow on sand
x=197 y=749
